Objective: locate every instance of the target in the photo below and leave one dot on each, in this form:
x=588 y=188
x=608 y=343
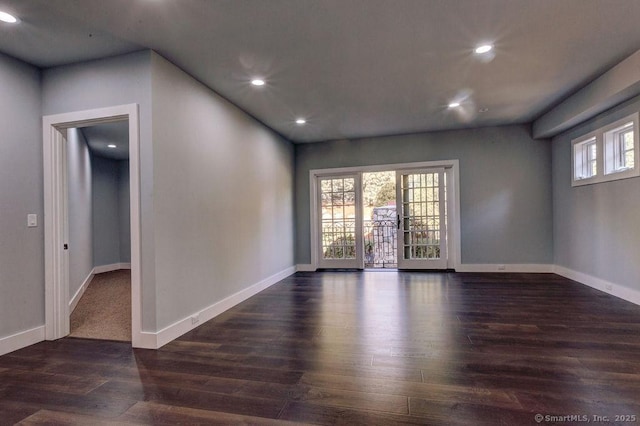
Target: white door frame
x=452 y=168
x=56 y=215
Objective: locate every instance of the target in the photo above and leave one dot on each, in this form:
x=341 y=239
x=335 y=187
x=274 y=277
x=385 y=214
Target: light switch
x=32 y=220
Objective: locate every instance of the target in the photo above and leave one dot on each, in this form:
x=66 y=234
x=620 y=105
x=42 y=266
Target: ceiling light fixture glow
x=301 y=121
x=8 y=18
x=257 y=82
x=111 y=146
x=454 y=105
x=483 y=49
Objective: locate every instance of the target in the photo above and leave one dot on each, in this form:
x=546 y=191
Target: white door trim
x=55 y=214
x=452 y=167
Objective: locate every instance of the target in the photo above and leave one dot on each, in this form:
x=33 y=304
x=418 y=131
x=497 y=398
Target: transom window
x=606 y=154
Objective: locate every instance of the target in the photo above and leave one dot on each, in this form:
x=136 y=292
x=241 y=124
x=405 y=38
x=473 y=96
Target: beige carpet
x=104 y=311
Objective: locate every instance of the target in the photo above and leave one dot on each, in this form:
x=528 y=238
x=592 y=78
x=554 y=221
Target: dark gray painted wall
x=124 y=216
x=505 y=181
x=79 y=191
x=21 y=193
x=106 y=210
x=111 y=230
x=596 y=228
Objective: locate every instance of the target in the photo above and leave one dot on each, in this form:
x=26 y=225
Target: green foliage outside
x=378 y=188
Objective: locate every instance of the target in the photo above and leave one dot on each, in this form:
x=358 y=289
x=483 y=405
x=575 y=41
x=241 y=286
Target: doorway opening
x=56 y=133
x=380 y=220
x=98 y=207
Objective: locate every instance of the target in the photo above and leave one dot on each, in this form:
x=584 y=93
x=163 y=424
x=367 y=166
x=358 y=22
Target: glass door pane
x=422 y=226
x=339 y=222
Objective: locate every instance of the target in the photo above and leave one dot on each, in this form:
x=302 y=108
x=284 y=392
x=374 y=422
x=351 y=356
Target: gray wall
x=79 y=190
x=505 y=181
x=124 y=216
x=223 y=197
x=106 y=210
x=596 y=228
x=21 y=193
x=103 y=83
x=111 y=229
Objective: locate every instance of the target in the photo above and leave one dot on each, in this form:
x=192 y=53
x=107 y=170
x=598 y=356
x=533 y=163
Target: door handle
x=398 y=221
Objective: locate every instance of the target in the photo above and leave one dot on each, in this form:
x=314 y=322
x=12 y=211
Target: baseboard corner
x=100 y=269
x=305 y=267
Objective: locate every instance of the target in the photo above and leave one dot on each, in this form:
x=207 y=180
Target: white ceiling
x=352 y=68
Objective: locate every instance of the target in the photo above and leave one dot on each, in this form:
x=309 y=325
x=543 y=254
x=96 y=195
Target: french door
x=421 y=208
x=340 y=217
x=420 y=231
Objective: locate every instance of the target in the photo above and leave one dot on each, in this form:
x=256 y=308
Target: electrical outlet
x=501 y=268
x=195 y=319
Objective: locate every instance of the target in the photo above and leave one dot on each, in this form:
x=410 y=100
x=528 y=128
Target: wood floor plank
x=190 y=397
x=58 y=418
x=160 y=414
x=327 y=415
x=58 y=401
x=432 y=391
x=12 y=412
x=353 y=348
x=52 y=382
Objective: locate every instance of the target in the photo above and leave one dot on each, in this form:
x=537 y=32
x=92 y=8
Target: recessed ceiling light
x=454 y=104
x=257 y=82
x=8 y=18
x=483 y=49
x=301 y=121
x=111 y=145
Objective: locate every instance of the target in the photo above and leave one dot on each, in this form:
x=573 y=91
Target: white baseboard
x=507 y=267
x=305 y=267
x=21 y=340
x=76 y=297
x=145 y=340
x=625 y=293
x=109 y=268
x=156 y=340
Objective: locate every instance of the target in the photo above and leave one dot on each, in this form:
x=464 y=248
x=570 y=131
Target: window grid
x=338 y=198
x=421 y=215
x=624 y=149
x=586 y=159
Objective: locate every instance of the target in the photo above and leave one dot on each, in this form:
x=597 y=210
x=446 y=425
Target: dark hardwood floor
x=370 y=348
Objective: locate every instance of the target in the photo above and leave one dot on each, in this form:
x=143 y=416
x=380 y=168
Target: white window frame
x=612 y=142
x=607 y=153
x=582 y=159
